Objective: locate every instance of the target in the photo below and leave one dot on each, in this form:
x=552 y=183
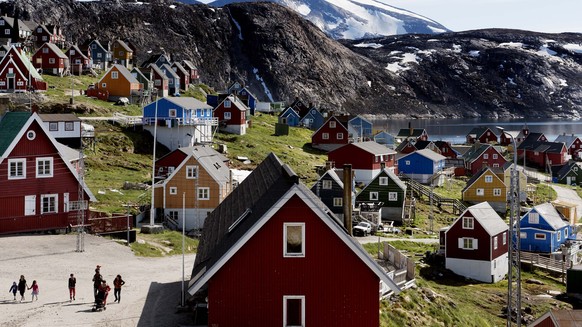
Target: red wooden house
x=264 y=259
x=476 y=244
x=416 y=134
x=160 y=80
x=540 y=154
x=51 y=33
x=192 y=69
x=50 y=59
x=80 y=61
x=481 y=134
x=447 y=149
x=232 y=115
x=331 y=135
x=39 y=188
x=406 y=147
x=367 y=159
x=483 y=155
x=559 y=318
x=17 y=73
x=184 y=75
x=573 y=144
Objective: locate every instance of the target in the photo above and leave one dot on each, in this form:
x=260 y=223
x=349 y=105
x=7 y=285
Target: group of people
x=22 y=286
x=99 y=285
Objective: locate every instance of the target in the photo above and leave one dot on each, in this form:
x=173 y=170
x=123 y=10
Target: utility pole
x=81 y=207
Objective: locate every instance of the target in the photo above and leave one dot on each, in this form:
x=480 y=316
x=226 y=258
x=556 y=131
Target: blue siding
x=419 y=164
x=164 y=106
x=547 y=245
x=291 y=116
x=212 y=100
x=361 y=126
x=313 y=120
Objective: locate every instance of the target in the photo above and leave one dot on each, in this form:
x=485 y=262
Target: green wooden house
x=388 y=192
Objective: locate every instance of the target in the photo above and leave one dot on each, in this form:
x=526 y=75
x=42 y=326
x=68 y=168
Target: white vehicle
x=362 y=229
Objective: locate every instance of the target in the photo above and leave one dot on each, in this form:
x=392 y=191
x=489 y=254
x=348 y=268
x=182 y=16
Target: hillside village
x=370 y=182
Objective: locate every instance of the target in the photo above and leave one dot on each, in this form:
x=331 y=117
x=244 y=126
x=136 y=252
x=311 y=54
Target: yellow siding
x=470 y=194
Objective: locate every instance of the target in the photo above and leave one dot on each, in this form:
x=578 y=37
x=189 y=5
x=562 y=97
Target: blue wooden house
x=100 y=55
x=313 y=120
x=361 y=129
x=248 y=98
x=330 y=189
x=423 y=166
x=173 y=79
x=181 y=121
x=543 y=229
x=385 y=139
x=289 y=117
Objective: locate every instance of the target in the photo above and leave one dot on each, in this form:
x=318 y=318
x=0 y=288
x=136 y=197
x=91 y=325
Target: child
x=72 y=283
x=34 y=288
x=14 y=289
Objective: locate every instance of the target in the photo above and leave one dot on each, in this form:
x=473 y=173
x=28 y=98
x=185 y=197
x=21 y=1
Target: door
x=30 y=205
x=11 y=83
x=568 y=180
x=66 y=202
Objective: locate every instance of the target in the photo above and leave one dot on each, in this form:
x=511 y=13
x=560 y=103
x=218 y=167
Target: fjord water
x=455 y=130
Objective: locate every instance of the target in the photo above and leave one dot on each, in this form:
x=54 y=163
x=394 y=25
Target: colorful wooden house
x=17 y=73
x=161 y=81
x=331 y=135
x=388 y=191
x=543 y=229
x=481 y=135
x=181 y=121
x=476 y=245
x=559 y=318
x=289 y=117
x=39 y=188
x=272 y=207
x=406 y=147
x=483 y=155
x=362 y=129
x=416 y=134
x=487 y=186
x=200 y=176
x=543 y=154
x=367 y=159
x=506 y=137
x=80 y=62
x=573 y=144
x=118 y=82
x=173 y=79
x=158 y=59
x=329 y=188
x=183 y=74
x=569 y=174
x=423 y=166
x=51 y=60
x=313 y=120
x=232 y=115
x=250 y=100
x=194 y=76
x=48 y=33
x=144 y=78
x=446 y=149
x=8 y=26
x=122 y=54
x=385 y=138
x=65 y=128
x=100 y=55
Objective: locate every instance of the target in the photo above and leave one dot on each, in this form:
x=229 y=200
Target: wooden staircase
x=440 y=201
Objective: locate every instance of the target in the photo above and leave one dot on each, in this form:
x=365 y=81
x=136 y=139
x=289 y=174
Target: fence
x=547 y=263
x=404 y=272
x=101 y=223
x=439 y=201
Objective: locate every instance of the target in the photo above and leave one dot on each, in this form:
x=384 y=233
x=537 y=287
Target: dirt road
x=149 y=298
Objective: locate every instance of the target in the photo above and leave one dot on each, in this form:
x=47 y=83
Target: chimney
x=409 y=128
x=348 y=198
x=328 y=165
x=382 y=165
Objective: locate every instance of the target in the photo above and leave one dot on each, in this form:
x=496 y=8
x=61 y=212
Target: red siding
x=12 y=192
x=358 y=158
x=339 y=289
x=484 y=242
x=18 y=77
x=475 y=166
x=237 y=116
x=173 y=159
x=317 y=137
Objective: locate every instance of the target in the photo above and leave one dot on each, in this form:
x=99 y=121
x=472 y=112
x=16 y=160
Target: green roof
x=10 y=126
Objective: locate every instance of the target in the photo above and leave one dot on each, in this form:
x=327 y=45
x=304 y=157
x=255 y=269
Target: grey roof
x=68 y=153
x=487 y=218
x=59 y=117
x=189 y=102
x=123 y=71
x=405 y=132
x=180 y=68
x=430 y=154
x=212 y=161
x=476 y=151
x=189 y=64
x=76 y=48
x=124 y=45
x=478 y=131
x=395 y=178
x=550 y=215
x=139 y=72
x=567 y=139
x=55 y=49
x=170 y=71
x=158 y=71
x=374 y=148
x=331 y=173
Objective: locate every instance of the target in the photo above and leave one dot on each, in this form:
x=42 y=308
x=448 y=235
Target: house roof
x=76 y=48
x=289 y=111
x=331 y=173
x=395 y=178
x=58 y=117
x=189 y=64
x=550 y=214
x=403 y=145
x=429 y=154
x=487 y=218
x=419 y=145
x=566 y=139
x=213 y=162
x=406 y=132
x=530 y=141
x=188 y=102
x=476 y=151
x=124 y=45
x=158 y=71
x=98 y=43
x=236 y=102
x=476 y=132
x=25 y=61
x=474 y=178
x=373 y=148
x=10 y=126
x=169 y=70
x=123 y=71
x=140 y=73
x=180 y=68
x=560 y=318
x=55 y=50
x=248 y=208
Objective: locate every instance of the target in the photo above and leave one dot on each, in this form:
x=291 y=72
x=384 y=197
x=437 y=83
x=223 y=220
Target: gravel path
x=149 y=298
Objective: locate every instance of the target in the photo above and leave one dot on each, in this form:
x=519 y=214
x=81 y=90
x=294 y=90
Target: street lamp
x=514 y=256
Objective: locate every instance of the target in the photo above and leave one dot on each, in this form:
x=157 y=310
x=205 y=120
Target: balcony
x=210 y=121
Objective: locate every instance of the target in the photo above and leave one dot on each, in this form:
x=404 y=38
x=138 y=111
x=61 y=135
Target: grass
x=165 y=243
x=452 y=188
x=544 y=193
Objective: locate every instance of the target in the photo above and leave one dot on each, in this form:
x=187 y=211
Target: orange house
x=118 y=82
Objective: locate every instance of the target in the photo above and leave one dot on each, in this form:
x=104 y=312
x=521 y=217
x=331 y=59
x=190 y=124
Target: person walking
x=14 y=289
x=22 y=286
x=97 y=278
x=34 y=288
x=72 y=283
x=117 y=283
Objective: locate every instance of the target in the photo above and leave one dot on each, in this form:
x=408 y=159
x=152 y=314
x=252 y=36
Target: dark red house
x=17 y=73
x=367 y=159
x=407 y=146
x=80 y=61
x=481 y=134
x=51 y=33
x=446 y=149
x=50 y=59
x=543 y=154
x=232 y=115
x=331 y=135
x=166 y=164
x=483 y=155
x=184 y=75
x=189 y=65
x=264 y=259
x=573 y=144
x=39 y=188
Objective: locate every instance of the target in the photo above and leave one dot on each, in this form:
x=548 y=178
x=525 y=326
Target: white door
x=29 y=205
x=66 y=202
x=568 y=180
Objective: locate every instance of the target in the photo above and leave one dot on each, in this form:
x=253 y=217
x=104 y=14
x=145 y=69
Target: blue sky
x=459 y=15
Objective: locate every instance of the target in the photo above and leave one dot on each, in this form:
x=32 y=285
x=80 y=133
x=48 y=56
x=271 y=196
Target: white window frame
x=340 y=136
x=338 y=202
x=540 y=236
x=468 y=243
x=496 y=192
x=174 y=214
x=485 y=156
x=495 y=241
x=114 y=75
x=191 y=172
x=293 y=297
x=288 y=254
x=103 y=85
x=203 y=193
x=374 y=196
x=504 y=238
x=13 y=170
x=173 y=113
x=227 y=103
x=52 y=60
x=488 y=179
x=53 y=126
x=332 y=124
x=480 y=192
x=533 y=218
x=173 y=190
x=495 y=156
x=69 y=126
x=407 y=162
x=326 y=184
x=49 y=197
x=44 y=174
x=45 y=50
x=522 y=234
x=468 y=223
x=325 y=136
x=383 y=180
x=559 y=235
x=392 y=196
x=227 y=115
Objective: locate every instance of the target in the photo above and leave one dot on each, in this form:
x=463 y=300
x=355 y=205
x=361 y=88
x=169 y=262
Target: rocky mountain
x=280 y=56
x=356 y=19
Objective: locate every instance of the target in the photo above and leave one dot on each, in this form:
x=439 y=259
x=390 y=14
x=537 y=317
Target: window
x=203 y=193
x=7 y=31
x=172 y=112
x=72 y=52
x=44 y=38
x=173 y=190
x=121 y=53
x=533 y=218
x=340 y=136
x=325 y=136
x=496 y=192
x=374 y=196
x=158 y=82
x=485 y=156
x=566 y=232
x=99 y=54
x=93 y=46
x=495 y=165
x=173 y=214
x=53 y=126
x=522 y=235
x=488 y=179
x=48 y=203
x=191 y=172
x=326 y=185
x=44 y=167
x=227 y=115
x=495 y=240
x=504 y=238
x=51 y=60
x=392 y=196
x=114 y=75
x=2 y=22
x=104 y=85
x=332 y=124
x=16 y=168
x=559 y=235
x=38 y=30
x=383 y=180
x=338 y=202
x=293 y=311
x=294 y=239
x=468 y=222
x=495 y=156
x=69 y=126
x=227 y=103
x=480 y=192
x=45 y=50
x=407 y=162
x=30 y=135
x=540 y=236
x=20 y=83
x=468 y=243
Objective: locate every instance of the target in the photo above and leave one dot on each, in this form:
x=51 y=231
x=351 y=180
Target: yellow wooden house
x=505 y=174
x=122 y=54
x=487 y=186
